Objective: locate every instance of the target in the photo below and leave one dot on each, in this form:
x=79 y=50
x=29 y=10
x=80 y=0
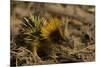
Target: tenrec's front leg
x=36 y=57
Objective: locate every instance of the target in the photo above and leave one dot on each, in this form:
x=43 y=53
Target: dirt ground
x=75 y=43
